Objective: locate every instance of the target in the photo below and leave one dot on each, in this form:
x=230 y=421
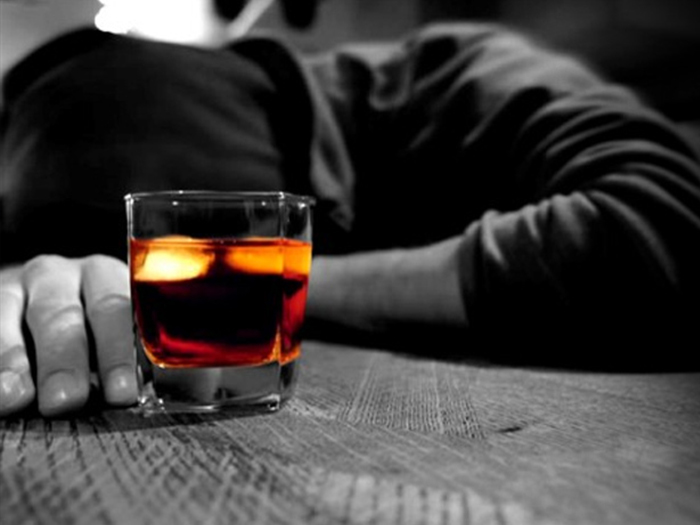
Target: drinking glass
x=218 y=285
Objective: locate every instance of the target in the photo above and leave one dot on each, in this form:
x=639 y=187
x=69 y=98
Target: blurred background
x=651 y=45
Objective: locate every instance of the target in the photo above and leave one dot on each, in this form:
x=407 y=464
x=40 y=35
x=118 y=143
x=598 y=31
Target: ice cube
x=175 y=259
x=256 y=258
x=297 y=258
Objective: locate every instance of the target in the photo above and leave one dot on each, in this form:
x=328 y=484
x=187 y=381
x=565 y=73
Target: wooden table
x=378 y=437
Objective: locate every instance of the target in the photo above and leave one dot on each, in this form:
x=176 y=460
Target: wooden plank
x=376 y=437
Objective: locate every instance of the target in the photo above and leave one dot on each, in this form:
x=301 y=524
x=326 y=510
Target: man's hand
x=55 y=313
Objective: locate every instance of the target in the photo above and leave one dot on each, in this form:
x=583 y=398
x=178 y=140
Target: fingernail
x=62 y=392
x=120 y=386
x=15 y=391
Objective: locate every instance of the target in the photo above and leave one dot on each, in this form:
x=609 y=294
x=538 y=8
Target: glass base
x=235 y=390
x=289 y=375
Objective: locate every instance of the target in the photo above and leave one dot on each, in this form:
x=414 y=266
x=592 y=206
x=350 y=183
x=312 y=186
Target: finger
x=108 y=307
x=16 y=385
x=57 y=324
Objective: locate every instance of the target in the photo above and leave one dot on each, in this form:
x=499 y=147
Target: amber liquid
x=224 y=302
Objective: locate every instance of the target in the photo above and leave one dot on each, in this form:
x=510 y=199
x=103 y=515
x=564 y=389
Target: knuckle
x=11 y=277
x=55 y=318
x=10 y=296
x=108 y=306
x=42 y=264
x=99 y=259
x=14 y=357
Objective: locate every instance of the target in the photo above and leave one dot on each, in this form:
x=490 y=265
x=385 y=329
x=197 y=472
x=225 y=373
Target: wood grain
x=374 y=437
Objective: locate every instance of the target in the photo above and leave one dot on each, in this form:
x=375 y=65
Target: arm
x=388 y=290
x=575 y=207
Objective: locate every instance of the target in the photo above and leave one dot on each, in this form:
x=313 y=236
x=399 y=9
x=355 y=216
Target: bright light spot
x=297 y=258
x=179 y=21
x=174 y=262
x=265 y=259
x=116 y=16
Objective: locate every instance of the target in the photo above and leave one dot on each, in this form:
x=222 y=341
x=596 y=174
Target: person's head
x=207 y=23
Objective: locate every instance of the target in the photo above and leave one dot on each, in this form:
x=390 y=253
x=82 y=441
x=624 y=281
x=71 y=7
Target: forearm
x=582 y=204
x=384 y=290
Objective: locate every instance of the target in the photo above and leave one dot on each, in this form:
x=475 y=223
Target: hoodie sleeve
x=579 y=205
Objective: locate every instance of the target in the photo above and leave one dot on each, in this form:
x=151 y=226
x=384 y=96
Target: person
x=477 y=193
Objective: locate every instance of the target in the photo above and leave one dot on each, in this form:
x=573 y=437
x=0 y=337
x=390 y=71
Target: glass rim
x=218 y=195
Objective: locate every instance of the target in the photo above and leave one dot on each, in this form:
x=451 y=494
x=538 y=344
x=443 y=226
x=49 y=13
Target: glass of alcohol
x=218 y=287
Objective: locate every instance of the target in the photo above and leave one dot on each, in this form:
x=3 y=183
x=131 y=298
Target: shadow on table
x=621 y=351
x=105 y=418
